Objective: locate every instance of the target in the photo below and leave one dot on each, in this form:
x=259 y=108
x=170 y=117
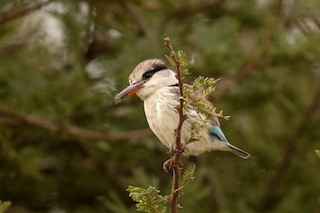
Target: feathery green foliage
x=187 y=177
x=198 y=92
x=182 y=57
x=148 y=200
x=183 y=64
x=195 y=131
x=204 y=85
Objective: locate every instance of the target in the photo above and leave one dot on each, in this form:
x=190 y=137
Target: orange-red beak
x=130 y=90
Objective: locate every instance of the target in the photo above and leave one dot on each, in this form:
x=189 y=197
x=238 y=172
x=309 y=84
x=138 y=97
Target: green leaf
x=317 y=151
x=196 y=97
x=4 y=206
x=148 y=200
x=171 y=62
x=187 y=177
x=183 y=63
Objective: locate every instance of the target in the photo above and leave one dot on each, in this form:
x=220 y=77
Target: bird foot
x=167 y=164
x=170 y=164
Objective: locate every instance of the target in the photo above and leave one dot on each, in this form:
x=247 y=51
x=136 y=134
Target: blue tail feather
x=239 y=152
x=216 y=133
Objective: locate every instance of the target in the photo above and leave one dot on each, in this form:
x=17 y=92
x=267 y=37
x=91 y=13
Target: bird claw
x=169 y=164
x=181 y=164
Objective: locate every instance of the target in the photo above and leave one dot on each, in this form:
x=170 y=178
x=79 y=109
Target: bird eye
x=156 y=68
x=148 y=74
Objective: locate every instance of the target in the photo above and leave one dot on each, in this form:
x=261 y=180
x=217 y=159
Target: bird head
x=148 y=76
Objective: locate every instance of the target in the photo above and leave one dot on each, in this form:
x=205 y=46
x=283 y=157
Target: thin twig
x=13 y=15
x=248 y=68
x=182 y=117
x=72 y=130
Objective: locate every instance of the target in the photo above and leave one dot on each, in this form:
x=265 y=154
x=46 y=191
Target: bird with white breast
x=155 y=83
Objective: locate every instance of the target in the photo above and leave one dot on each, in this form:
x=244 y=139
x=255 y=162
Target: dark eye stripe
x=156 y=68
x=159 y=67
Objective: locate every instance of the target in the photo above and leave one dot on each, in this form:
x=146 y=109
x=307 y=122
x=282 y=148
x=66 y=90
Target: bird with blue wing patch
x=156 y=84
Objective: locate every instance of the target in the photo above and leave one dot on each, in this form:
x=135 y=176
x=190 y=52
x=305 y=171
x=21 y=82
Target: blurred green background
x=65 y=146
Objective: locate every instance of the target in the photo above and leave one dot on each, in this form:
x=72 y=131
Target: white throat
x=160 y=79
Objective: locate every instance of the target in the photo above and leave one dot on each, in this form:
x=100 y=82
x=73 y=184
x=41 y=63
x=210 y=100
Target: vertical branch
x=182 y=117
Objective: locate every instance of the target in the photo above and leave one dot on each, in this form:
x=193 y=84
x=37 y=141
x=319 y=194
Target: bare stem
x=182 y=117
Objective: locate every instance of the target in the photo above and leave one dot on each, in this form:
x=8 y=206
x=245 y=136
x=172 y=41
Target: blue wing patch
x=216 y=133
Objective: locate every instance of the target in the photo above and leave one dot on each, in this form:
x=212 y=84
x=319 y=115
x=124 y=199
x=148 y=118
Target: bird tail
x=239 y=152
